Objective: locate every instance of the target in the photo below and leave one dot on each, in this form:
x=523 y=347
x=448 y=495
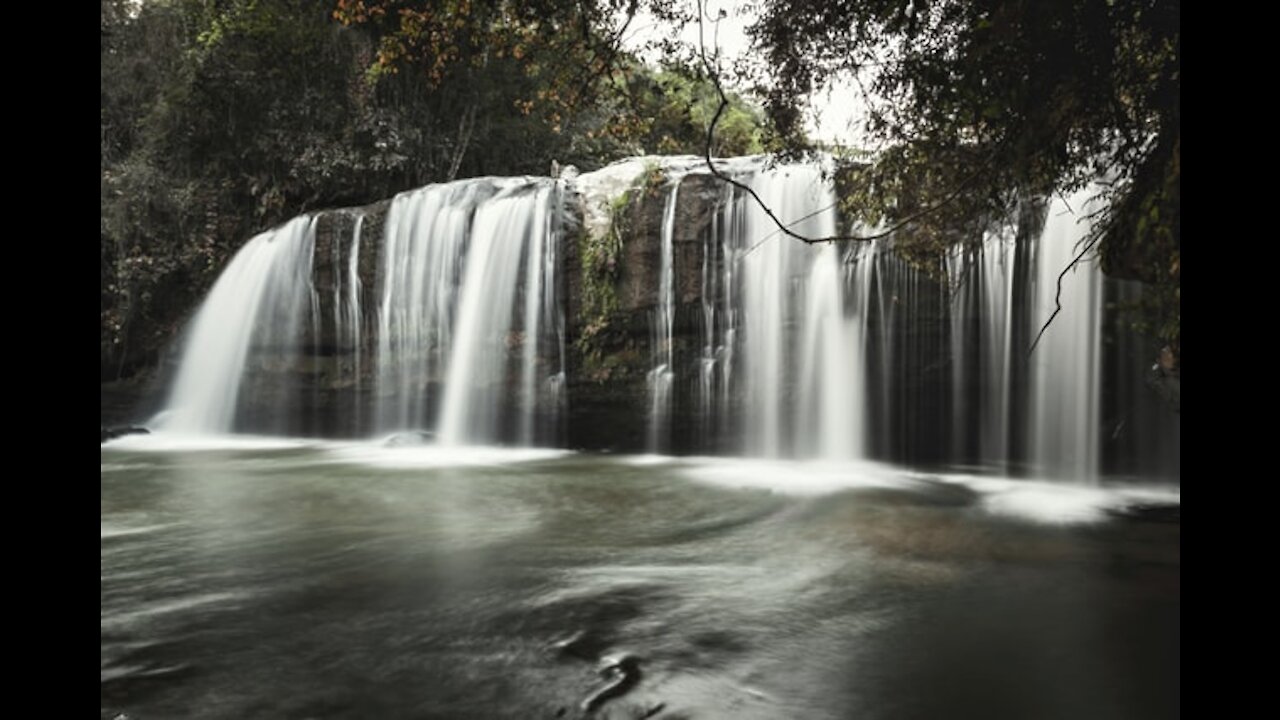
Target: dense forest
x=220 y=118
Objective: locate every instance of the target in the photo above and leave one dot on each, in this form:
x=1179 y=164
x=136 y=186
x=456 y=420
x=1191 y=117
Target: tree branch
x=466 y=126
x=612 y=46
x=1057 y=298
x=715 y=119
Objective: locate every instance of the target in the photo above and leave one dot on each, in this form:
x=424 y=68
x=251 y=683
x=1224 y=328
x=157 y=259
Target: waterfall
x=662 y=375
x=829 y=415
x=467 y=292
x=476 y=398
x=348 y=316
x=1066 y=364
x=469 y=332
x=257 y=301
x=354 y=314
x=801 y=342
x=981 y=340
x=425 y=238
x=555 y=397
x=715 y=304
x=444 y=311
x=996 y=358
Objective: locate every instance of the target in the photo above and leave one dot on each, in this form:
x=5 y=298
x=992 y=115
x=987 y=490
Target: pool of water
x=269 y=578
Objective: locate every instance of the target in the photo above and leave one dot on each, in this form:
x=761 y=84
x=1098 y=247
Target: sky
x=837 y=109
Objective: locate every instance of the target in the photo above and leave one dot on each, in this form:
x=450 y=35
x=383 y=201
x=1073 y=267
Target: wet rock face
x=1166 y=379
x=611 y=353
x=641 y=261
x=331 y=267
x=329 y=390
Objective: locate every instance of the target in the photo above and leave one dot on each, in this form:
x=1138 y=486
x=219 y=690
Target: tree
x=1002 y=99
x=565 y=68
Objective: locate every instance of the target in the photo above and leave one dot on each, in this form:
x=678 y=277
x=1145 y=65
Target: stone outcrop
x=610 y=311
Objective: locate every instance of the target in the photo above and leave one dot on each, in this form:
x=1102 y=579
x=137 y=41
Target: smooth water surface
x=327 y=580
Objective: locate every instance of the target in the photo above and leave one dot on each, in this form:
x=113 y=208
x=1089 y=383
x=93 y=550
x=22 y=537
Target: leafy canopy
x=1002 y=99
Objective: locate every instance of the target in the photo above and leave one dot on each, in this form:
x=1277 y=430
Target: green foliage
x=599 y=258
x=670 y=111
x=218 y=119
x=580 y=84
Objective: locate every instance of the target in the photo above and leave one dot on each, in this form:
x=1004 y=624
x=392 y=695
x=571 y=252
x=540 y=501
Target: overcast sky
x=837 y=109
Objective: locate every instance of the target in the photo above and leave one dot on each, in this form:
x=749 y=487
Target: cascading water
x=824 y=339
x=425 y=238
x=801 y=398
x=469 y=330
x=997 y=347
x=662 y=375
x=460 y=262
x=476 y=401
x=348 y=318
x=257 y=301
x=719 y=318
x=829 y=416
x=981 y=339
x=1066 y=364
x=456 y=325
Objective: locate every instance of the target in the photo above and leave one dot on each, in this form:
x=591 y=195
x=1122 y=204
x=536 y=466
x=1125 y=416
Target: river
x=269 y=578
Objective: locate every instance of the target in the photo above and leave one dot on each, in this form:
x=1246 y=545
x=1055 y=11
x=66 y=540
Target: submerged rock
x=1165 y=378
x=1150 y=512
x=624 y=673
x=582 y=644
x=411 y=438
x=111 y=433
